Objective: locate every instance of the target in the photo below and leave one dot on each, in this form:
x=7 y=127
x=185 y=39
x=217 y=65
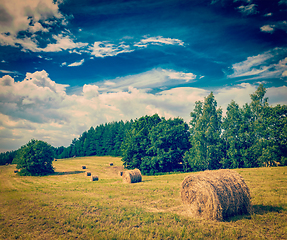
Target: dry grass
x=67 y=206
x=216 y=195
x=132 y=176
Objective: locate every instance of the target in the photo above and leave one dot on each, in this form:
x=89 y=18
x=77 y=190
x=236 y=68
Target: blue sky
x=68 y=65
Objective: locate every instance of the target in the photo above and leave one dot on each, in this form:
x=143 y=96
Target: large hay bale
x=132 y=176
x=216 y=195
x=88 y=173
x=94 y=178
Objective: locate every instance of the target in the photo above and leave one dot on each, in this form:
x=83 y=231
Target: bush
x=35 y=158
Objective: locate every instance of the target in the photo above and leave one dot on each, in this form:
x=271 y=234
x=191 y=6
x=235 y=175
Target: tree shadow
x=258 y=210
x=67 y=173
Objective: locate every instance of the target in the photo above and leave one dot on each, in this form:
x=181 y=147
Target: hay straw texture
x=216 y=195
x=83 y=167
x=132 y=176
x=88 y=173
x=94 y=178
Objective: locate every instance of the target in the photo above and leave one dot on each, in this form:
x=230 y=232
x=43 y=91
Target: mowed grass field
x=67 y=205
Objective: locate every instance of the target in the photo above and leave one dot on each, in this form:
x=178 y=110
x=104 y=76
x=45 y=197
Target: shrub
x=35 y=158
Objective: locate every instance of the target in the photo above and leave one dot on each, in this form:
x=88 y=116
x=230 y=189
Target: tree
x=206 y=150
x=35 y=158
x=169 y=140
x=136 y=141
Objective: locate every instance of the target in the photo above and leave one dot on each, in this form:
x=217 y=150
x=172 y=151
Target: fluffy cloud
x=25 y=16
x=39 y=108
x=33 y=18
x=282 y=25
x=270 y=64
x=267 y=28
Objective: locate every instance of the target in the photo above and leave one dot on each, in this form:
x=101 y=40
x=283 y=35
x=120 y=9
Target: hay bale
x=121 y=173
x=216 y=195
x=88 y=174
x=94 y=178
x=132 y=176
x=83 y=167
x=111 y=164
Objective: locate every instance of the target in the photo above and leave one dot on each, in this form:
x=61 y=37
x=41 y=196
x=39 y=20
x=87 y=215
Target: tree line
x=253 y=135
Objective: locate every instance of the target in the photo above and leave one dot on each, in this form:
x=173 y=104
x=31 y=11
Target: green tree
x=136 y=142
x=169 y=140
x=206 y=150
x=35 y=158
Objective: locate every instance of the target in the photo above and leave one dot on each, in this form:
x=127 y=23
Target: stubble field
x=67 y=205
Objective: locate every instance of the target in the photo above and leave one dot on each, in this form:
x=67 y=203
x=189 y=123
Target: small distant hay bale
x=94 y=178
x=55 y=159
x=132 y=176
x=83 y=167
x=216 y=195
x=121 y=173
x=88 y=174
x=15 y=171
x=111 y=164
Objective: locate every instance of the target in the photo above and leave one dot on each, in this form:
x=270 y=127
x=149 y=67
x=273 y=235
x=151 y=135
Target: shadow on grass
x=258 y=210
x=261 y=209
x=68 y=173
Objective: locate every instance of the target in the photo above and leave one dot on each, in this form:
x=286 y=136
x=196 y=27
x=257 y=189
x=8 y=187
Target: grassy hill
x=67 y=205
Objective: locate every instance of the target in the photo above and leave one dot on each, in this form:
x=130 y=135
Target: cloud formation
x=40 y=108
x=75 y=64
x=269 y=64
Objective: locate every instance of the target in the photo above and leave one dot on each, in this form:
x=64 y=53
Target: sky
x=68 y=65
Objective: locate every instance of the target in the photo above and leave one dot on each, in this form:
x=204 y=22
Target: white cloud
x=76 y=64
x=63 y=43
x=248 y=9
x=9 y=72
x=106 y=49
x=39 y=108
x=266 y=65
x=268 y=14
x=282 y=25
x=27 y=16
x=155 y=78
x=159 y=40
x=267 y=28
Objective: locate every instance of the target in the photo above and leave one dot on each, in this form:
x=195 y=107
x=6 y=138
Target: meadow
x=67 y=205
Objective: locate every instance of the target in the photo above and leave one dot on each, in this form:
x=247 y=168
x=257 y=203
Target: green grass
x=67 y=205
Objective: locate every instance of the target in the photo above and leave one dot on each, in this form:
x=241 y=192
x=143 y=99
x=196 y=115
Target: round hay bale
x=94 y=178
x=132 y=176
x=121 y=173
x=111 y=164
x=216 y=195
x=88 y=173
x=83 y=167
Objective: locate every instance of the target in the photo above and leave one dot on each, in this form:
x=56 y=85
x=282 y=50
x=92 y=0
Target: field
x=67 y=205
